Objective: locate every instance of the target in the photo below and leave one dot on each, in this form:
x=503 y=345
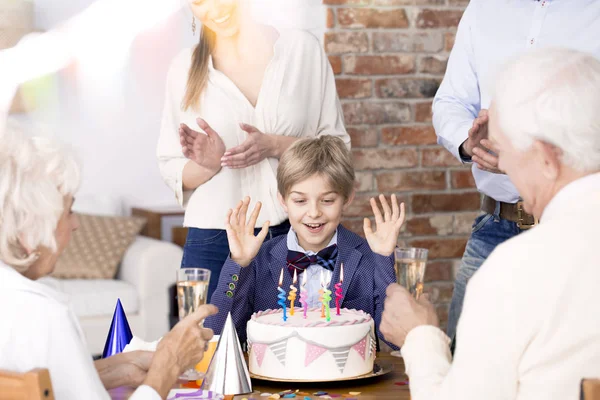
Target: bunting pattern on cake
x=341 y=356
x=313 y=350
x=279 y=350
x=361 y=347
x=373 y=346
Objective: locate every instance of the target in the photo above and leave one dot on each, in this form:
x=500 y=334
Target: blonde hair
x=198 y=73
x=324 y=155
x=35 y=176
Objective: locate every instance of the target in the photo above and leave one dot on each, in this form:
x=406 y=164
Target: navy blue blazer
x=243 y=291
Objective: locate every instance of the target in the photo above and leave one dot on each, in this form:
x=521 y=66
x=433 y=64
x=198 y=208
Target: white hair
x=553 y=95
x=36 y=173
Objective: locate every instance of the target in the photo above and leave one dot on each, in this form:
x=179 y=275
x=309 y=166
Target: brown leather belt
x=510 y=212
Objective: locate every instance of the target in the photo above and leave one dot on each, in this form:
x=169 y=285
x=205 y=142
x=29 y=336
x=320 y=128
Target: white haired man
x=489 y=34
x=529 y=329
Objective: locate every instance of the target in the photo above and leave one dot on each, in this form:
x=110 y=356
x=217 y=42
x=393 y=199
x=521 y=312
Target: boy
x=315 y=180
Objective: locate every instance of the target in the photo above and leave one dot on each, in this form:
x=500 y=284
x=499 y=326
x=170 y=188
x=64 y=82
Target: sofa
x=145 y=273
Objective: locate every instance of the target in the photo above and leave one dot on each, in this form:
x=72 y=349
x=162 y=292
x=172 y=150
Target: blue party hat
x=119 y=334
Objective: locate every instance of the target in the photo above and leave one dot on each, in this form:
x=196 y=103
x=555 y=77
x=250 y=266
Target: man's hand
x=255 y=148
x=477 y=133
x=383 y=241
x=243 y=245
x=204 y=150
x=486 y=156
x=402 y=313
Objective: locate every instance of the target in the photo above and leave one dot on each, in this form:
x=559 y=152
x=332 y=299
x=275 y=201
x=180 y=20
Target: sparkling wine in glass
x=192 y=292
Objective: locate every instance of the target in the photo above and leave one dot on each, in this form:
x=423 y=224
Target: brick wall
x=389 y=58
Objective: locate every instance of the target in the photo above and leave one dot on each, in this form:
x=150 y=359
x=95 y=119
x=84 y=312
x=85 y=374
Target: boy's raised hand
x=383 y=240
x=243 y=245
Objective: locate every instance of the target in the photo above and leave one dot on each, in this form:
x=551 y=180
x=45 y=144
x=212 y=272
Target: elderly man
x=529 y=328
x=490 y=33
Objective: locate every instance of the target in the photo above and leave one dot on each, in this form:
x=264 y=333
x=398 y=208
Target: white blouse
x=298 y=98
x=38 y=329
x=530 y=327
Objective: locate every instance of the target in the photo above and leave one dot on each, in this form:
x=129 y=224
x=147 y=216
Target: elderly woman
x=39 y=328
x=529 y=329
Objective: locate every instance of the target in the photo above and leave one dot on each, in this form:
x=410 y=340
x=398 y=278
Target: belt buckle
x=521 y=213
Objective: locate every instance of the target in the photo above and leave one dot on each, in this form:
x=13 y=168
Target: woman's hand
x=402 y=313
x=243 y=245
x=255 y=148
x=383 y=241
x=179 y=350
x=204 y=150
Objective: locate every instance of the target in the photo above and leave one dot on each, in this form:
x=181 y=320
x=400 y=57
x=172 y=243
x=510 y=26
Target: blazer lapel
x=348 y=255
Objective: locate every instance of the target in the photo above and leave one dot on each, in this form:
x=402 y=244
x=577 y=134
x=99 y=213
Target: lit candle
x=321 y=291
x=293 y=290
x=304 y=294
x=338 y=290
x=281 y=295
x=327 y=299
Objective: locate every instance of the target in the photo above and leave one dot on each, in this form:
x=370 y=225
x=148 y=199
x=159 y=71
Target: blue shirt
x=490 y=33
x=313 y=272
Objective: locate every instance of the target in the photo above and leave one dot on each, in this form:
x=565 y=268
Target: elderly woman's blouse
x=38 y=329
x=297 y=98
x=530 y=326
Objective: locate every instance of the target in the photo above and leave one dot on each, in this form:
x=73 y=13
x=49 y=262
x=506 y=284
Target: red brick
x=408 y=2
x=336 y=64
x=395 y=181
x=379 y=65
x=441 y=247
x=330 y=18
x=462 y=179
x=347 y=2
x=438 y=271
x=354 y=88
x=438 y=157
x=407 y=135
x=406 y=87
x=433 y=65
x=384 y=158
x=423 y=112
x=363 y=137
x=463 y=3
x=428 y=18
x=439 y=292
x=422 y=42
x=372 y=18
x=463 y=222
x=449 y=40
x=354 y=225
x=346 y=42
x=361 y=206
x=439 y=225
x=364 y=181
x=445 y=202
x=360 y=113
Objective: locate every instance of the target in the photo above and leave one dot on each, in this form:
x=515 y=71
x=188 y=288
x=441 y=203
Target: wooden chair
x=31 y=385
x=590 y=389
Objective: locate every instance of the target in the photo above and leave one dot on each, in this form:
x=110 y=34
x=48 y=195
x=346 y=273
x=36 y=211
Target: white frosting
x=334 y=345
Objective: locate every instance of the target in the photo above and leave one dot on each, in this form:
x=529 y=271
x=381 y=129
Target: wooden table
x=382 y=387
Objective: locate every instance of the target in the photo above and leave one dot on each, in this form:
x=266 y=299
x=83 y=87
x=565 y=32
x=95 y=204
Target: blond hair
x=324 y=155
x=198 y=73
x=35 y=175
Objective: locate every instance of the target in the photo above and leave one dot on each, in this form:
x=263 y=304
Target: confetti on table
x=274 y=396
x=319 y=393
x=306 y=397
x=354 y=393
x=302 y=394
x=335 y=395
x=325 y=397
x=404 y=383
x=265 y=394
x=289 y=396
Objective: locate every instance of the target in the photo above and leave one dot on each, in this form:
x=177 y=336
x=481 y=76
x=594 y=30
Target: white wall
x=111 y=116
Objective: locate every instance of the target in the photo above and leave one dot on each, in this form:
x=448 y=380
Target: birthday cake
x=311 y=348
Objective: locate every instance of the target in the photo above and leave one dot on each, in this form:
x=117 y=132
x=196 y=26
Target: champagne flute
x=192 y=292
x=410 y=272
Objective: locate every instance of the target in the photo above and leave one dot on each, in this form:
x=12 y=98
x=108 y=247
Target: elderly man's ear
x=549 y=159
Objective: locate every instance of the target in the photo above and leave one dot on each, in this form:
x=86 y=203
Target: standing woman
x=234 y=103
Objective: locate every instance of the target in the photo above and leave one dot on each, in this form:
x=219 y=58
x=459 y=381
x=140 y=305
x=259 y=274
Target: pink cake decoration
x=361 y=347
x=312 y=353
